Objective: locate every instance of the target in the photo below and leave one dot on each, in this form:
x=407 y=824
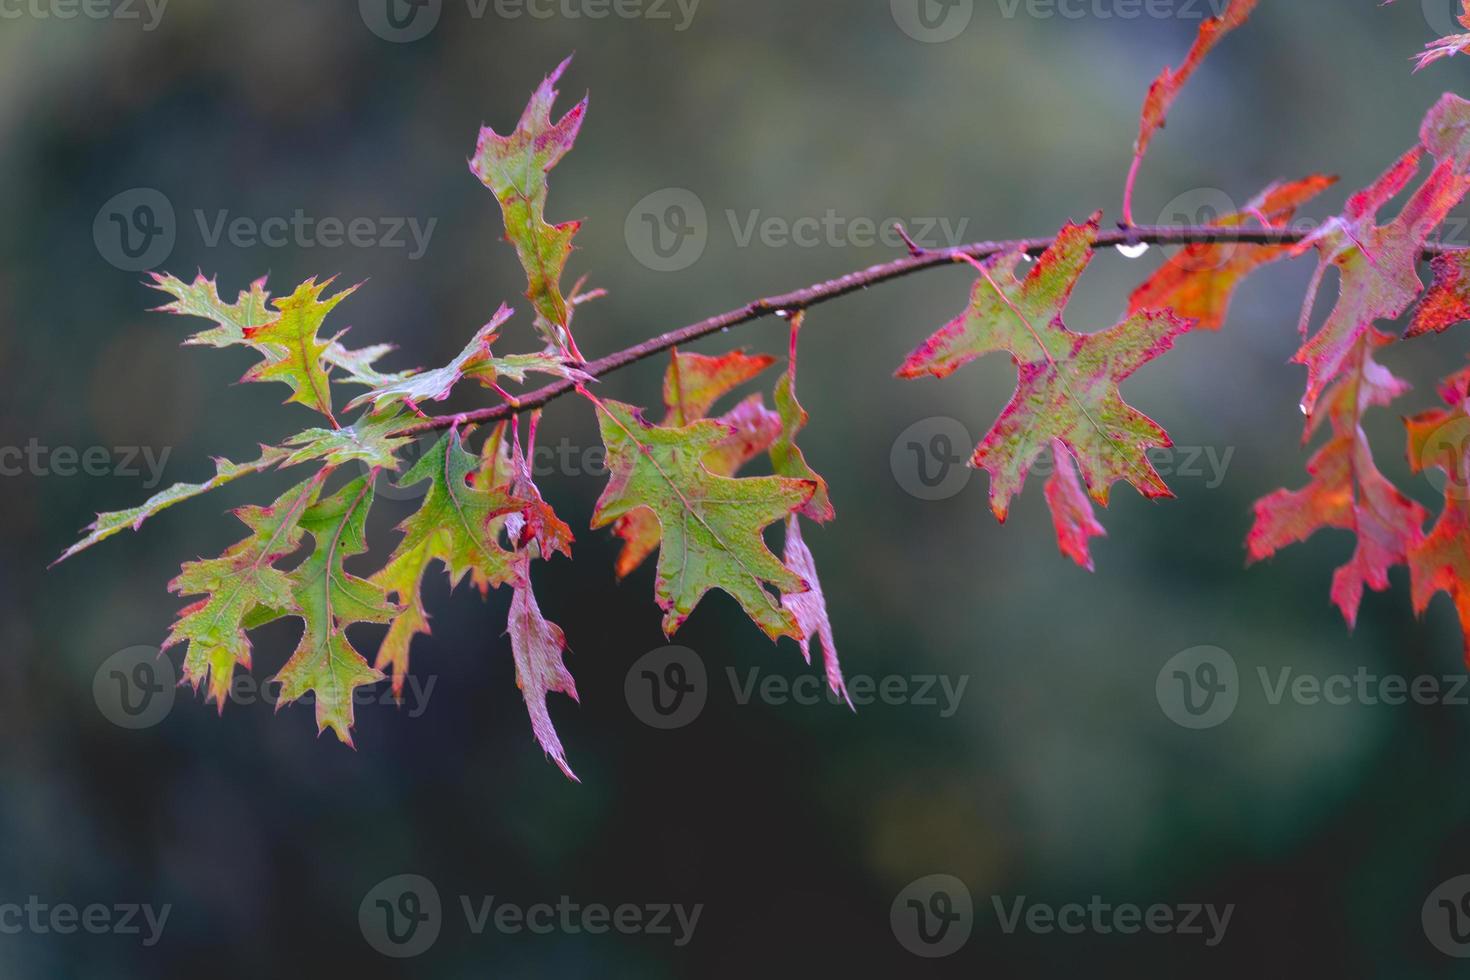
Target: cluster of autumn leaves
x=1067 y=398
x=674 y=487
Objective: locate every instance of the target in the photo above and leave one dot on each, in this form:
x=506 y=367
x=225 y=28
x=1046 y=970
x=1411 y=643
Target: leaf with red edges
x=1071 y=510
x=1165 y=88
x=710 y=525
x=1347 y=491
x=1377 y=265
x=1448 y=301
x=1068 y=383
x=515 y=168
x=693 y=384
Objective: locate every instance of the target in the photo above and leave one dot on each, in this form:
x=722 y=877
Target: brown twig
x=802 y=299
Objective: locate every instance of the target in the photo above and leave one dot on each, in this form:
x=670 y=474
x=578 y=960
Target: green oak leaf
x=329 y=599
x=710 y=525
x=298 y=353
x=693 y=384
x=110 y=523
x=239 y=585
x=455 y=525
x=369 y=440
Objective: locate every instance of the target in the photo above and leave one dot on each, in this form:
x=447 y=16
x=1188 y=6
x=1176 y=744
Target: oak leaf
x=710 y=526
x=329 y=600
x=1068 y=383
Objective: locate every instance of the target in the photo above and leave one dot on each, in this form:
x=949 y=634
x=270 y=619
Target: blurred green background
x=1057 y=776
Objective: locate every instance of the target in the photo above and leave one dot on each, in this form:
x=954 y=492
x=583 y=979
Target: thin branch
x=787 y=304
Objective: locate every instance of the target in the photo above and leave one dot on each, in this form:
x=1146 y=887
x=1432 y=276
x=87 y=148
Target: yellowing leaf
x=298 y=351
x=710 y=525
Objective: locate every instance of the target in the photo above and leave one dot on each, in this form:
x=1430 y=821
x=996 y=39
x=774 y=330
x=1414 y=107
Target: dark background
x=795 y=825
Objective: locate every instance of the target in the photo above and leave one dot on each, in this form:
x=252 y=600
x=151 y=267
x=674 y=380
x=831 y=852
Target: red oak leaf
x=1347 y=490
x=1165 y=88
x=1448 y=300
x=1071 y=511
x=1200 y=280
x=1440 y=439
x=1068 y=383
x=1377 y=265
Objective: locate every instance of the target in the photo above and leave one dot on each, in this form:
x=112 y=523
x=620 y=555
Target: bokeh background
x=1057 y=776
